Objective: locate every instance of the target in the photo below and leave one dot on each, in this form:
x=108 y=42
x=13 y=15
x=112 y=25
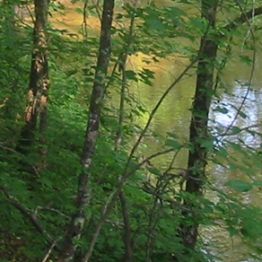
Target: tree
x=201 y=141
x=119 y=133
x=77 y=223
x=199 y=132
x=37 y=97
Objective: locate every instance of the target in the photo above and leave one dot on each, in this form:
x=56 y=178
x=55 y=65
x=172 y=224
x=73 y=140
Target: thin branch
x=239 y=130
x=158 y=192
x=127 y=234
x=112 y=198
x=125 y=175
x=52 y=210
x=27 y=213
x=119 y=139
x=98 y=9
x=8 y=149
x=50 y=250
x=85 y=16
x=155 y=109
x=30 y=13
x=243 y=18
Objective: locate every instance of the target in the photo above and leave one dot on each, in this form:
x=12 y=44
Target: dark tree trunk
x=197 y=161
x=128 y=256
x=39 y=82
x=78 y=219
x=199 y=123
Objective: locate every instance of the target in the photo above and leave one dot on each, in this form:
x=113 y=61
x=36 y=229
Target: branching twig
x=158 y=192
x=119 y=138
x=153 y=112
x=112 y=198
x=245 y=18
x=126 y=174
x=30 y=13
x=27 y=213
x=50 y=250
x=8 y=148
x=98 y=10
x=85 y=16
x=52 y=210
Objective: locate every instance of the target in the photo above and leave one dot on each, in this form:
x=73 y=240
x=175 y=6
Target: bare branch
x=50 y=250
x=155 y=109
x=26 y=212
x=52 y=210
x=112 y=198
x=243 y=18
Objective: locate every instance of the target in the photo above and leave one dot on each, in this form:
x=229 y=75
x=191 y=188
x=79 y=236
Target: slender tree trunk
x=39 y=82
x=127 y=229
x=128 y=257
x=199 y=123
x=76 y=225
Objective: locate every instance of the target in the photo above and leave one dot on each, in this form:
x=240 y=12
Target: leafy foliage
x=155 y=193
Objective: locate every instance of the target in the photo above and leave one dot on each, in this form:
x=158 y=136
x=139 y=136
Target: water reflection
x=240 y=109
x=174 y=116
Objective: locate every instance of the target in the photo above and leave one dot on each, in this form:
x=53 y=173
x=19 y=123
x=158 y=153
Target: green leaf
x=154 y=171
x=208 y=144
x=246 y=59
x=173 y=143
x=257 y=184
x=221 y=110
x=239 y=186
x=235 y=130
x=131 y=75
x=232 y=231
x=198 y=24
x=154 y=23
x=242 y=114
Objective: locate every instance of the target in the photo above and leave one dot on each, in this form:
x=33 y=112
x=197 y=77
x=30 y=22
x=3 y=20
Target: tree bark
x=76 y=225
x=197 y=161
x=39 y=82
x=128 y=256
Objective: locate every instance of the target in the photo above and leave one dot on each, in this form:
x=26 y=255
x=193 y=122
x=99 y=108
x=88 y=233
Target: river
x=174 y=116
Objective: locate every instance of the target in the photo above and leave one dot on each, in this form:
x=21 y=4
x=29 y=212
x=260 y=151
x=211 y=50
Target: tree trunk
x=128 y=257
x=76 y=225
x=39 y=81
x=199 y=123
x=197 y=161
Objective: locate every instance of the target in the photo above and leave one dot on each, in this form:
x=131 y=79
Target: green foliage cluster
x=155 y=193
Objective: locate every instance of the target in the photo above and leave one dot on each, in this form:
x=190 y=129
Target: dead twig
x=50 y=250
x=26 y=212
